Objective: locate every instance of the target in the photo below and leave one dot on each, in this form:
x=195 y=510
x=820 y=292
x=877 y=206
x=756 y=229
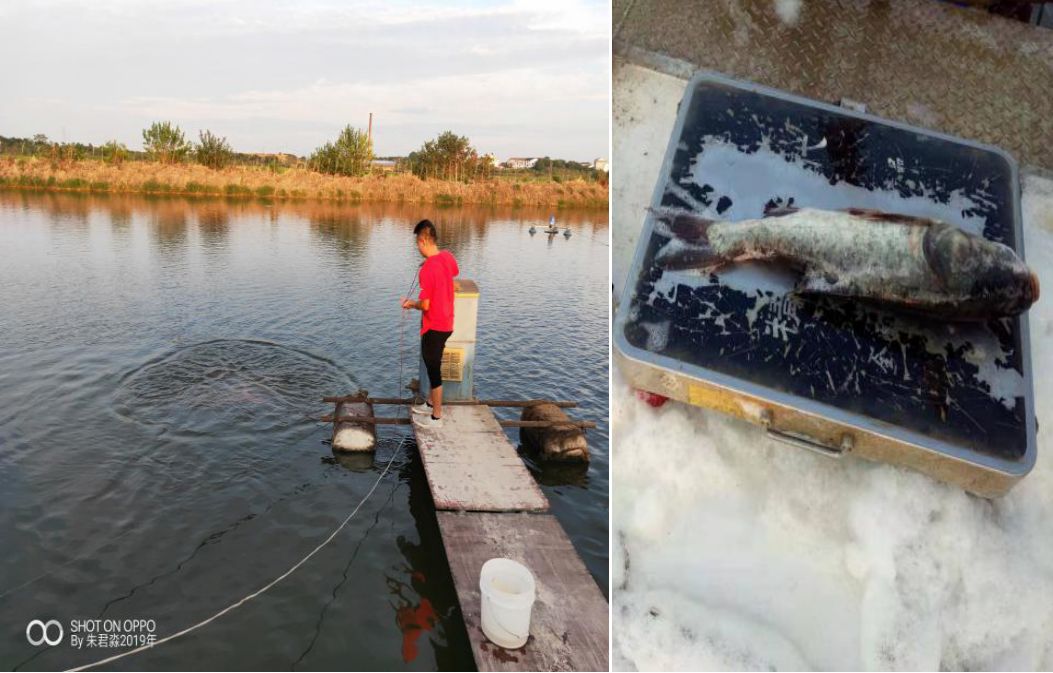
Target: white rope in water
x=290 y=571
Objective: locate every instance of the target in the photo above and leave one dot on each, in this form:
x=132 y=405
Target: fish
x=920 y=265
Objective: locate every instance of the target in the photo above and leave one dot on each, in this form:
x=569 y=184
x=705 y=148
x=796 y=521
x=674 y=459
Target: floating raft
x=488 y=505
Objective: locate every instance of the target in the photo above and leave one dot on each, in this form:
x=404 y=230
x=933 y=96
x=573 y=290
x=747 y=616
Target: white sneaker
x=422 y=408
x=427 y=422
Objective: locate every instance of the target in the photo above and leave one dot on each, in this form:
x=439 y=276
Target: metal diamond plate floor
x=927 y=63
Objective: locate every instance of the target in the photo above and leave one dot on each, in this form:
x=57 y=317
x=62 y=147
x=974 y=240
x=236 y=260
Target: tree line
x=162 y=142
x=446 y=157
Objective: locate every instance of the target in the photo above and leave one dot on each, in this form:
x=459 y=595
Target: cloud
x=287 y=75
x=523 y=97
x=239 y=17
x=513 y=94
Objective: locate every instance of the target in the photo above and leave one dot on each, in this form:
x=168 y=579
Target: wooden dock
x=488 y=505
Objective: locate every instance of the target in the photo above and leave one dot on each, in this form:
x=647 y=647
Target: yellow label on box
x=713 y=398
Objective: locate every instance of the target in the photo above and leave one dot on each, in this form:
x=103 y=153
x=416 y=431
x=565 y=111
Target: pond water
x=160 y=364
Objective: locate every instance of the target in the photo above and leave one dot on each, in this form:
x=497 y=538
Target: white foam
x=734 y=552
x=354 y=438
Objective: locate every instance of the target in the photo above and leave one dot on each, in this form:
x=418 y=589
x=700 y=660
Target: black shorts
x=431 y=345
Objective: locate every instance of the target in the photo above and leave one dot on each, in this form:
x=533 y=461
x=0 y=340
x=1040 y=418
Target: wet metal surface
x=927 y=63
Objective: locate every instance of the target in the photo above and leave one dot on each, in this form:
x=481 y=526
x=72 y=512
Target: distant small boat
x=566 y=233
x=552 y=228
x=533 y=230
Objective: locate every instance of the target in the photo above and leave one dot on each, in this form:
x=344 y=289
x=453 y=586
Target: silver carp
x=917 y=264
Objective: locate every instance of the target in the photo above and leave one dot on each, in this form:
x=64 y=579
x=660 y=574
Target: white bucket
x=507 y=589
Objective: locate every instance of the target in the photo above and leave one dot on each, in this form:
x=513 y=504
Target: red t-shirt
x=436 y=285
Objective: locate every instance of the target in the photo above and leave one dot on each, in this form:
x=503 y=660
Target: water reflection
x=63 y=205
x=556 y=474
x=343 y=229
x=121 y=215
x=170 y=224
x=356 y=461
x=213 y=222
x=422 y=586
x=460 y=224
x=345 y=232
x=413 y=620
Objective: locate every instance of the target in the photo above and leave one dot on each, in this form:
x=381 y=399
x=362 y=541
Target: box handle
x=809 y=444
x=805 y=442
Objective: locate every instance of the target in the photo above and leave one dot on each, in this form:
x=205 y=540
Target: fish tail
x=684 y=224
x=689 y=246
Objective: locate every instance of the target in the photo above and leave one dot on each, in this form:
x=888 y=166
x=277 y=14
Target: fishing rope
x=290 y=571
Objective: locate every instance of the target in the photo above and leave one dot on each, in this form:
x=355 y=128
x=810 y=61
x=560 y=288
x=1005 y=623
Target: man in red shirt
x=436 y=325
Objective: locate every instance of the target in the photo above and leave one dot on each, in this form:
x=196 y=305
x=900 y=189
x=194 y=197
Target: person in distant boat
x=435 y=303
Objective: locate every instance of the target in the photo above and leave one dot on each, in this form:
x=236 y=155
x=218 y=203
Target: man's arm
x=423 y=303
x=420 y=305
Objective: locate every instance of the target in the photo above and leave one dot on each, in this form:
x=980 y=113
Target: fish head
x=1004 y=279
x=989 y=277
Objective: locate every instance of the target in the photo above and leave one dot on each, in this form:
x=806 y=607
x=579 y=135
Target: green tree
x=213 y=151
x=40 y=144
x=351 y=154
x=164 y=142
x=114 y=153
x=449 y=157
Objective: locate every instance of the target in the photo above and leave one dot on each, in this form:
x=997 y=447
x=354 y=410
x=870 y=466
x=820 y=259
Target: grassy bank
x=293 y=183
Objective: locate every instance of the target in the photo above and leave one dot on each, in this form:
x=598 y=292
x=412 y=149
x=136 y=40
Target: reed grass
x=294 y=183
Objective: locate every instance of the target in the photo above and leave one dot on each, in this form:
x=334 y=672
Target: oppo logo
x=39 y=632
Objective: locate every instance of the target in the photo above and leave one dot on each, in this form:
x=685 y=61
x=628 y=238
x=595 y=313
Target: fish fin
x=817 y=281
x=882 y=216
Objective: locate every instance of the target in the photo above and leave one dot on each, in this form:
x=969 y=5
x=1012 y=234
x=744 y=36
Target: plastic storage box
x=832 y=375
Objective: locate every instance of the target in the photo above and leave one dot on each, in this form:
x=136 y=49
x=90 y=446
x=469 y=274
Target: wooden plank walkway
x=488 y=505
x=472 y=466
x=568 y=627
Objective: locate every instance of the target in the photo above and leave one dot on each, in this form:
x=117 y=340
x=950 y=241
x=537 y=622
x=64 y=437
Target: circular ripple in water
x=229 y=386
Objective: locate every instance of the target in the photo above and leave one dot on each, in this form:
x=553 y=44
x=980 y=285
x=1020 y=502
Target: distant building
x=601 y=165
x=384 y=165
x=520 y=162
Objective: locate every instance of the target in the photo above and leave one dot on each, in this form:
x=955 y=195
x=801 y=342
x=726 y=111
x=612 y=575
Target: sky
x=518 y=77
